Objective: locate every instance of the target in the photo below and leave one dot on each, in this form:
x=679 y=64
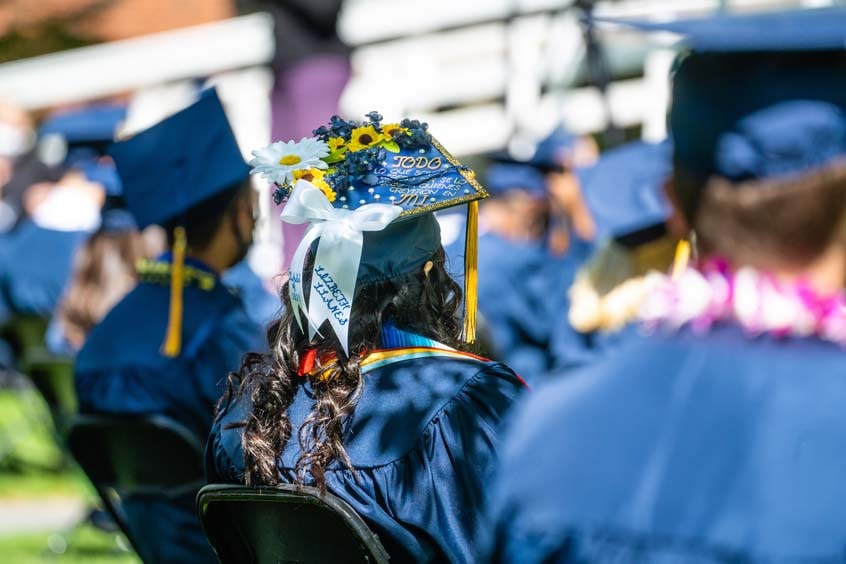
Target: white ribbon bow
x=337 y=259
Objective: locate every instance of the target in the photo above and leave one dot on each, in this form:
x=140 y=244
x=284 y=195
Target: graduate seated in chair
x=368 y=391
x=167 y=347
x=717 y=437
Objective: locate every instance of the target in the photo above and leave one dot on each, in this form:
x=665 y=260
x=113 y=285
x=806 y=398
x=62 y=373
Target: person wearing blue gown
x=368 y=392
x=719 y=437
x=625 y=192
x=512 y=251
x=167 y=347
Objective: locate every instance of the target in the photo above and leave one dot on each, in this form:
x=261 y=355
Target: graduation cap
x=87 y=130
x=553 y=153
x=757 y=95
x=173 y=166
x=624 y=191
x=368 y=190
x=502 y=177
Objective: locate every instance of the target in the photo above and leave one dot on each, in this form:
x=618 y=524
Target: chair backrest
x=137 y=455
x=52 y=376
x=285 y=524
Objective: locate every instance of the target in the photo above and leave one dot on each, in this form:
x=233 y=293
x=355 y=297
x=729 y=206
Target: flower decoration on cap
x=349 y=152
x=278 y=161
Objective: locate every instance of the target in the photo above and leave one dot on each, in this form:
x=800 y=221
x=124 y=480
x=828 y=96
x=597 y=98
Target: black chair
x=52 y=376
x=122 y=456
x=285 y=524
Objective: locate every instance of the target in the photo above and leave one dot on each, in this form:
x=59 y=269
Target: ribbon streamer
x=341 y=237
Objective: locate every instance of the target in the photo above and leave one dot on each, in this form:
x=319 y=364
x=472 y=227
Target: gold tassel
x=681 y=259
x=173 y=340
x=471 y=274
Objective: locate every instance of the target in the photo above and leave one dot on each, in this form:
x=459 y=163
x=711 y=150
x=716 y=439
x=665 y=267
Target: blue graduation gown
x=35 y=266
x=680 y=448
x=261 y=306
x=423 y=441
x=120 y=370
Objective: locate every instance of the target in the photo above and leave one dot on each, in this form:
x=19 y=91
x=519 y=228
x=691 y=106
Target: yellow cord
x=681 y=259
x=471 y=274
x=173 y=340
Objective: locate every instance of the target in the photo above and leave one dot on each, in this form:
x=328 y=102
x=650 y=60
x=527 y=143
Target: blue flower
x=375 y=119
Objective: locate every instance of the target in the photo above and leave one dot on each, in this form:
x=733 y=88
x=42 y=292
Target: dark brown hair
x=426 y=304
x=785 y=221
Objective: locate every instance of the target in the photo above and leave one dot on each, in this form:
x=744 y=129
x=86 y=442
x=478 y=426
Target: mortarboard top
x=624 y=189
x=385 y=178
x=179 y=162
x=555 y=151
x=758 y=95
x=792 y=30
x=90 y=124
x=502 y=177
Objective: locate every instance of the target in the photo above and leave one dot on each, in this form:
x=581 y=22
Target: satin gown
x=121 y=370
x=423 y=441
x=680 y=448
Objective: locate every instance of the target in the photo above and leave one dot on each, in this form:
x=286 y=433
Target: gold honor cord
x=681 y=259
x=173 y=339
x=471 y=274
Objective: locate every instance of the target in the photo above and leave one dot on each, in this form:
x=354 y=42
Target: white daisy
x=279 y=160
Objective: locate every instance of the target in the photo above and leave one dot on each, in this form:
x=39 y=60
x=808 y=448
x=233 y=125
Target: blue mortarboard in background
x=89 y=124
x=179 y=162
x=758 y=95
x=555 y=151
x=501 y=178
x=114 y=215
x=625 y=189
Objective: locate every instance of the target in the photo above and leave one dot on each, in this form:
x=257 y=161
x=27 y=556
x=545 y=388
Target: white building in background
x=479 y=71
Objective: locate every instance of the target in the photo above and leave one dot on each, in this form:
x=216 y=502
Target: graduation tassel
x=681 y=259
x=173 y=339
x=471 y=274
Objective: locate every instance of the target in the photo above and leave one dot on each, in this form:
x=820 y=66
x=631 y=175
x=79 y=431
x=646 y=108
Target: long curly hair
x=425 y=303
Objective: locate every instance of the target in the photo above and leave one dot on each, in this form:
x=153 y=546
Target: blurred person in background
x=719 y=437
x=167 y=347
x=20 y=166
x=311 y=68
x=625 y=192
x=513 y=225
x=36 y=258
x=104 y=267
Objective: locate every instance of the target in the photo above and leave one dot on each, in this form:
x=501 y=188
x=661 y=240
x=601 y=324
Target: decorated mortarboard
x=173 y=166
x=624 y=189
x=757 y=95
x=367 y=189
x=502 y=177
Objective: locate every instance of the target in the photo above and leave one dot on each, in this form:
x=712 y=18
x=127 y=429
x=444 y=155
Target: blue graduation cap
x=173 y=166
x=757 y=95
x=368 y=189
x=624 y=190
x=179 y=162
x=502 y=177
x=554 y=152
x=95 y=124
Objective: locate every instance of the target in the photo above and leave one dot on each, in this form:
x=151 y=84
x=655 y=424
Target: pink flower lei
x=757 y=301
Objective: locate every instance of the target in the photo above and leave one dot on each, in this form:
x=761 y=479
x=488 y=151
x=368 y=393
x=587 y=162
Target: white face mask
x=14 y=141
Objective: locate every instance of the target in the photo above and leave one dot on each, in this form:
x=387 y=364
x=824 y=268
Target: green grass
x=32 y=466
x=85 y=546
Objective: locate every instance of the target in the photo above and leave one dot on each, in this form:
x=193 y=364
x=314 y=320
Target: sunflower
x=390 y=129
x=335 y=143
x=316 y=178
x=278 y=161
x=364 y=137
